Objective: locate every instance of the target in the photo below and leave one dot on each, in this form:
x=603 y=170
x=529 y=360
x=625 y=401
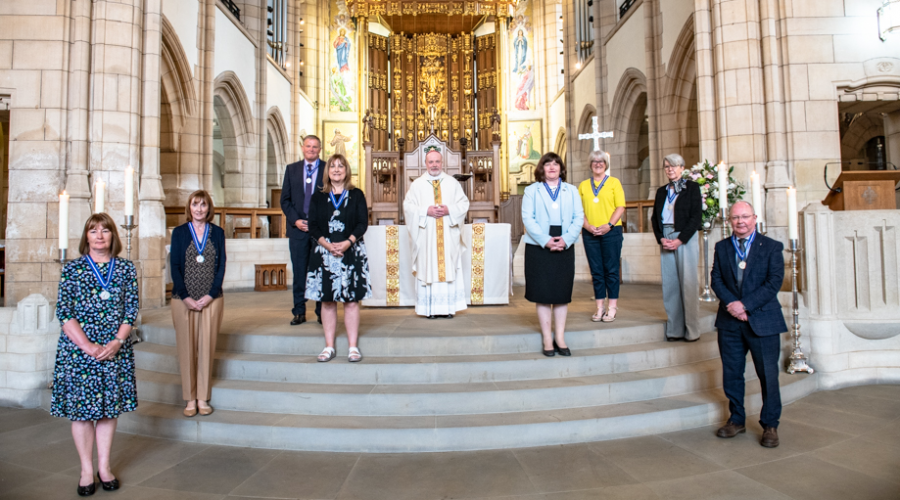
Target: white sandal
x=598 y=316
x=355 y=356
x=609 y=318
x=327 y=355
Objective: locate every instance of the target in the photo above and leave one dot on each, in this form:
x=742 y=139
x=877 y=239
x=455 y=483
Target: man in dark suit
x=301 y=180
x=747 y=274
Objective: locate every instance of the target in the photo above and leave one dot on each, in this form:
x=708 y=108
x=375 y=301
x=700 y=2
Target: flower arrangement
x=707 y=176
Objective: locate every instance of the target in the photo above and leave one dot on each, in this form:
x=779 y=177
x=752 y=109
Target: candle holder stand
x=62 y=256
x=761 y=228
x=129 y=227
x=707 y=295
x=798 y=361
x=723 y=215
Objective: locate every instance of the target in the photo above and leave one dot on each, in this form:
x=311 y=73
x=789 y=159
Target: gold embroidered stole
x=439 y=227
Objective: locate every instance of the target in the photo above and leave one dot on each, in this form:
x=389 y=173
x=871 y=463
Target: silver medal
x=742 y=265
x=104 y=295
x=596 y=200
x=200 y=259
x=337 y=212
x=555 y=206
x=309 y=180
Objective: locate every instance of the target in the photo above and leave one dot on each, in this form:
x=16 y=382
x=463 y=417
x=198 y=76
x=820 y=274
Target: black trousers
x=300 y=247
x=733 y=347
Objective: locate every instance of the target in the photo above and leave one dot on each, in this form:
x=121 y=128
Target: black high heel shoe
x=109 y=485
x=86 y=491
x=549 y=353
x=563 y=351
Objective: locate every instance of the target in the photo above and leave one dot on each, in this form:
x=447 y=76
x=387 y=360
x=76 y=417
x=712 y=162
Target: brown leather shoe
x=730 y=430
x=769 y=437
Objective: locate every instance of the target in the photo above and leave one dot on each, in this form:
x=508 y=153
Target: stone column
x=151 y=212
x=706 y=80
x=76 y=183
x=206 y=80
x=503 y=99
x=778 y=175
x=262 y=71
x=652 y=44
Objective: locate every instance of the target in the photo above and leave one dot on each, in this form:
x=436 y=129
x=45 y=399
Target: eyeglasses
x=737 y=218
x=670 y=167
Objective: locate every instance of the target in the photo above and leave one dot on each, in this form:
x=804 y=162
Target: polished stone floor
x=837 y=445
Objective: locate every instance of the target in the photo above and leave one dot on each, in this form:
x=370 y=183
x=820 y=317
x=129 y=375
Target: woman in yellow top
x=604 y=205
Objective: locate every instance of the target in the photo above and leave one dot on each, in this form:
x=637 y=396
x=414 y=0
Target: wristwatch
x=122 y=342
x=611 y=225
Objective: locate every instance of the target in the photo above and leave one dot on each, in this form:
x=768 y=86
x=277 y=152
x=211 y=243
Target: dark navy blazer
x=293 y=194
x=759 y=288
x=181 y=240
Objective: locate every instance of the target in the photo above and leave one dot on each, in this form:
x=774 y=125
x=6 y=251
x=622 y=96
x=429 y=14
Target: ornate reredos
x=367 y=8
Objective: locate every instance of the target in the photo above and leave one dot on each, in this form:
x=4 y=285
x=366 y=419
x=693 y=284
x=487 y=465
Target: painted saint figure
x=521 y=48
x=337 y=142
x=342 y=51
x=526 y=83
x=340 y=97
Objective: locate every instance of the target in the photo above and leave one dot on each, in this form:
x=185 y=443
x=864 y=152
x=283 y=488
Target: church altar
x=485 y=265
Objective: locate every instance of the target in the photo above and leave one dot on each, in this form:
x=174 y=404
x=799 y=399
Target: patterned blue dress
x=84 y=388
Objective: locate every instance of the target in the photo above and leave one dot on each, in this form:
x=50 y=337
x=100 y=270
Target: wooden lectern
x=864 y=190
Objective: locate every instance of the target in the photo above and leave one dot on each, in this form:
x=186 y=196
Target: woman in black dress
x=338 y=267
x=93 y=381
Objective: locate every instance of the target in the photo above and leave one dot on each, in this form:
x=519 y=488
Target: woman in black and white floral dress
x=338 y=267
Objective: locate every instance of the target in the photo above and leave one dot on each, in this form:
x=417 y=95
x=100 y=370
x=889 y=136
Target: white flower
x=697 y=168
x=730 y=186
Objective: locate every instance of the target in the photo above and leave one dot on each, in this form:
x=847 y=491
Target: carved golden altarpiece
x=430 y=87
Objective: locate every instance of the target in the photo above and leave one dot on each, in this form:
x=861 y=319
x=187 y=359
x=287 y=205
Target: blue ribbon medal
x=737 y=248
x=337 y=202
x=105 y=295
x=200 y=246
x=553 y=194
x=596 y=189
x=670 y=197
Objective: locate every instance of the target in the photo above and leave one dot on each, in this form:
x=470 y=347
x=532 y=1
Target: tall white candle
x=129 y=191
x=723 y=186
x=63 y=221
x=99 y=196
x=756 y=196
x=793 y=231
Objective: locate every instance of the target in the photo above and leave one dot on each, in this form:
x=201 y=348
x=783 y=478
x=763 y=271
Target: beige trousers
x=195 y=336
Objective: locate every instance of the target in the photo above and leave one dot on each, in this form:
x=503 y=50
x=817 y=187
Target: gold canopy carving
x=367 y=8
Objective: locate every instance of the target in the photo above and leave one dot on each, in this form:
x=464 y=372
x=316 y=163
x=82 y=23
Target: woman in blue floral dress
x=93 y=381
x=338 y=266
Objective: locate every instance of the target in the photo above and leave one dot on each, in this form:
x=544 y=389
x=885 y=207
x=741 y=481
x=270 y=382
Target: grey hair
x=742 y=202
x=674 y=159
x=311 y=136
x=599 y=156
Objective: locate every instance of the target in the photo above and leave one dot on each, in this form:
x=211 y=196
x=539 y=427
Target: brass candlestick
x=798 y=361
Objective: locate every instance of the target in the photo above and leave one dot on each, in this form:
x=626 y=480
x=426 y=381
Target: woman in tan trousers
x=198 y=269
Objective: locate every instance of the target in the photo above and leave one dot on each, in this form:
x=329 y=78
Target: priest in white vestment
x=435 y=209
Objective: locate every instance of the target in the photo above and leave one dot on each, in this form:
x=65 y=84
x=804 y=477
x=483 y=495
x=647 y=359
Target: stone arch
x=680 y=120
x=178 y=118
x=560 y=145
x=865 y=111
x=237 y=133
x=631 y=145
x=278 y=150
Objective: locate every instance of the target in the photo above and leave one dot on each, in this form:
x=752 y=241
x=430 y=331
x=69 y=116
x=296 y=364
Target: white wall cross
x=596 y=135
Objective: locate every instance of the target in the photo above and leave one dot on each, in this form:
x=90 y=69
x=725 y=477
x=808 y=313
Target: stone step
x=461 y=369
x=436 y=433
x=442 y=399
x=308 y=340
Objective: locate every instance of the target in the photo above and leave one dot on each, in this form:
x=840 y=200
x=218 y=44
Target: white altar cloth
x=496 y=269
